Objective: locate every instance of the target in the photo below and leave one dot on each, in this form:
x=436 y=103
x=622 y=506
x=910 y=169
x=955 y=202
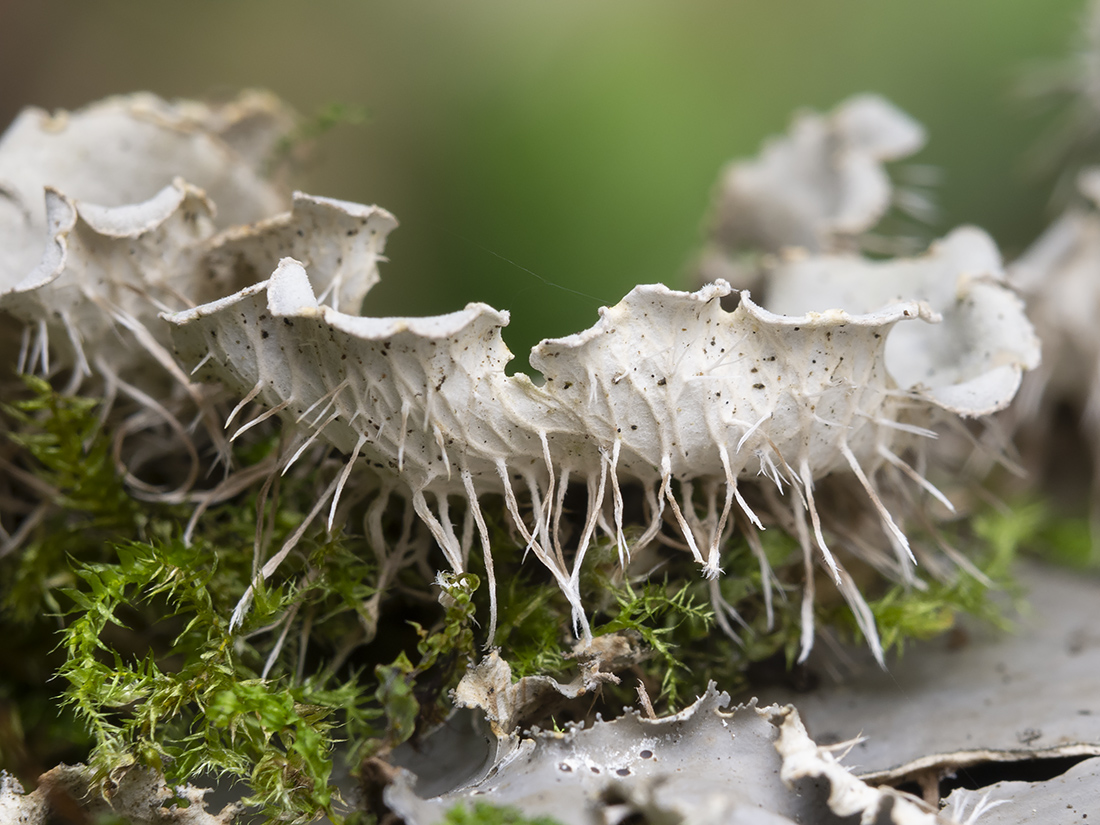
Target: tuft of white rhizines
x=94 y=251
x=668 y=391
x=91 y=305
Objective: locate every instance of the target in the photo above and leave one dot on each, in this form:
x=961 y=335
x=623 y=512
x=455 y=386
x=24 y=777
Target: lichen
x=262 y=518
x=667 y=387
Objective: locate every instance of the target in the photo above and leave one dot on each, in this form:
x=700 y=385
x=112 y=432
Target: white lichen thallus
x=667 y=392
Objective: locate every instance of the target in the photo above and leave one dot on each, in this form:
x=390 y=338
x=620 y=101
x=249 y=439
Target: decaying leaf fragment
x=667 y=388
x=488 y=685
x=703 y=765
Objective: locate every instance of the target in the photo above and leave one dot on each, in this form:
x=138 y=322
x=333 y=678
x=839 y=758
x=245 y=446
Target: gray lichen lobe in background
x=976 y=696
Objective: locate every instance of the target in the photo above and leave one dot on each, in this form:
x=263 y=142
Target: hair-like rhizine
x=668 y=391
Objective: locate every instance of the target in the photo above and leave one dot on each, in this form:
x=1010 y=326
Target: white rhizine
x=666 y=387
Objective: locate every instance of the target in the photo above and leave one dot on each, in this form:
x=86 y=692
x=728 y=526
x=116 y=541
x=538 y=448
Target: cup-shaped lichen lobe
x=668 y=382
x=667 y=388
x=123 y=149
x=140 y=145
x=638 y=381
x=675 y=379
x=825 y=384
x=401 y=388
x=971 y=360
x=340 y=243
x=106 y=268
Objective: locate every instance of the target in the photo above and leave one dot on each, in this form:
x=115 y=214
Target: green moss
x=655 y=612
x=994 y=539
x=154 y=672
x=482 y=813
x=197 y=704
x=157 y=677
x=81 y=499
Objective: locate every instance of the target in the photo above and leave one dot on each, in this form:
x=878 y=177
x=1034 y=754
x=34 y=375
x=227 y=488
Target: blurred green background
x=578 y=139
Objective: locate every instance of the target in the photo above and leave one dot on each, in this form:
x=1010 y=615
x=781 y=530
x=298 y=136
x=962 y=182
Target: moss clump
x=155 y=675
x=482 y=813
